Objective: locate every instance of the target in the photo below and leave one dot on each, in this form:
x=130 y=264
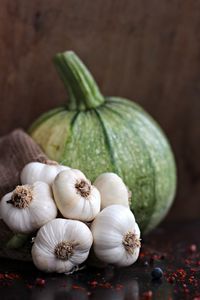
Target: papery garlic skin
x=110 y=229
x=36 y=171
x=112 y=190
x=75 y=197
x=73 y=233
x=38 y=209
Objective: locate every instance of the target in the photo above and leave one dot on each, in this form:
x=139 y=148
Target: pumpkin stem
x=82 y=88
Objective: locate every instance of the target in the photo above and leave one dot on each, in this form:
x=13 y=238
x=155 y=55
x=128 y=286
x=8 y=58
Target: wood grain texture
x=144 y=50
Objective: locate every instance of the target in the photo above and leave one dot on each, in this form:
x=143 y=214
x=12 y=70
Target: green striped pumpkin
x=97 y=134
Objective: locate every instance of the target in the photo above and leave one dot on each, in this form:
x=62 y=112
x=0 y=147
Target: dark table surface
x=173 y=247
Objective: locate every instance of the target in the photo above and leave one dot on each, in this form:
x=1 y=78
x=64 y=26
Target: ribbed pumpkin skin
x=117 y=136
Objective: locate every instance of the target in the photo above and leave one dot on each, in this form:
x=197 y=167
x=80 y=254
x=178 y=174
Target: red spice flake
x=191 y=280
x=171 y=279
x=78 y=287
x=75 y=287
x=187 y=261
x=10 y=276
x=40 y=282
x=196 y=298
x=119 y=286
x=29 y=286
x=142 y=255
x=193 y=270
x=93 y=283
x=181 y=273
x=147 y=295
x=106 y=285
x=156 y=256
x=193 y=248
x=153 y=258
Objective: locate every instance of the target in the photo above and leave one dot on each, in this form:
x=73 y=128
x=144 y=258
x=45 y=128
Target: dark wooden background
x=148 y=51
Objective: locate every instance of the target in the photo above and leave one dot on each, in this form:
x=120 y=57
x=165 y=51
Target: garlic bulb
x=116 y=236
x=112 y=190
x=75 y=197
x=28 y=207
x=36 y=171
x=60 y=245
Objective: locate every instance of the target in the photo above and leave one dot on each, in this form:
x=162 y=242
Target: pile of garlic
x=96 y=216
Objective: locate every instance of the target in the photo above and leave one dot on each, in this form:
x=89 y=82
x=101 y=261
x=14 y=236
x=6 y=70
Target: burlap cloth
x=16 y=150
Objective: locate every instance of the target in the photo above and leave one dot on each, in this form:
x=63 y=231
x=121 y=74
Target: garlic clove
x=121 y=216
x=75 y=197
x=36 y=171
x=28 y=207
x=60 y=245
x=79 y=173
x=112 y=190
x=131 y=247
x=116 y=236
